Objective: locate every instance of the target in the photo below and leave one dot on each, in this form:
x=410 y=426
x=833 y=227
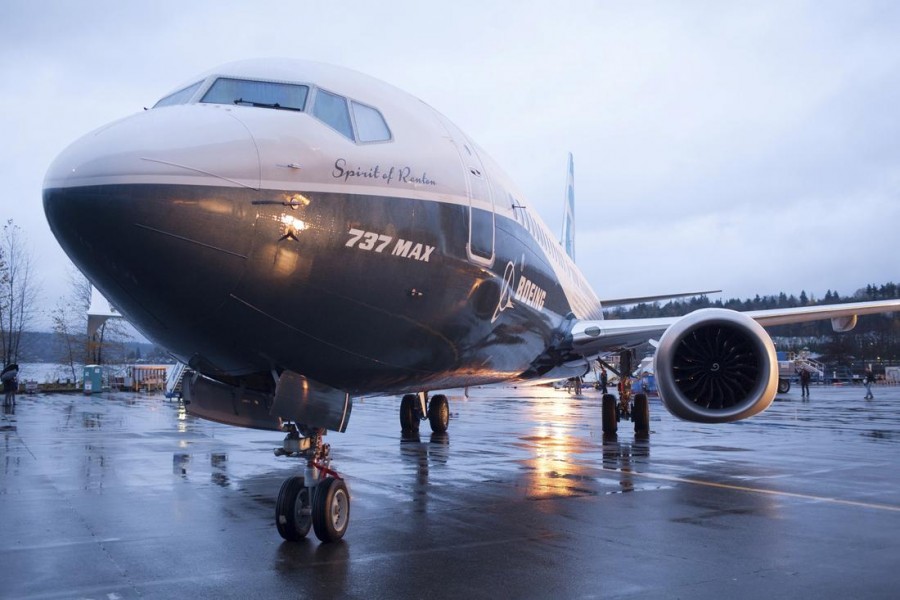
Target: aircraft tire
x=610 y=418
x=439 y=413
x=408 y=418
x=640 y=413
x=331 y=509
x=292 y=521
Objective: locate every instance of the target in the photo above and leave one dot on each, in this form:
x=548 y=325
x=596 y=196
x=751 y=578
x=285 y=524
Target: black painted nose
x=151 y=209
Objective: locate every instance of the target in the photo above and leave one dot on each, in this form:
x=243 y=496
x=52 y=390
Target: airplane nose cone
x=190 y=144
x=155 y=210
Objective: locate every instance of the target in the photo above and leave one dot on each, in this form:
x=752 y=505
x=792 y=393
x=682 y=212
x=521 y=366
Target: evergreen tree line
x=876 y=338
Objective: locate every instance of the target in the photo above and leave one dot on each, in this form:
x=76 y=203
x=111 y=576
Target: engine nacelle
x=296 y=399
x=715 y=366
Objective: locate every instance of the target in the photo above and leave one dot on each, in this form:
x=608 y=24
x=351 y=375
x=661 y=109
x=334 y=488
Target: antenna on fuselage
x=567 y=240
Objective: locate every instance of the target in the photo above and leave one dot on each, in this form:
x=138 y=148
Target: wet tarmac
x=125 y=496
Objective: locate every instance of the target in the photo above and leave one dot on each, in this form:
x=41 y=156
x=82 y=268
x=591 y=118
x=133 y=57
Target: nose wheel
x=319 y=499
x=293 y=510
x=331 y=509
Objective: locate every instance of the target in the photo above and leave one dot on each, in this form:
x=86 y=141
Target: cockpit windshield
x=355 y=121
x=264 y=94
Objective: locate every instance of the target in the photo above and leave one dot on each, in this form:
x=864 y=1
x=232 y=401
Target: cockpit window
x=179 y=97
x=370 y=125
x=366 y=125
x=263 y=94
x=331 y=109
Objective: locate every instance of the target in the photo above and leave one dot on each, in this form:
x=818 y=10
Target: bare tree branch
x=18 y=291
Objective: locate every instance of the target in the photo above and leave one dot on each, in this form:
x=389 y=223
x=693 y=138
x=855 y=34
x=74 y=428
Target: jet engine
x=715 y=366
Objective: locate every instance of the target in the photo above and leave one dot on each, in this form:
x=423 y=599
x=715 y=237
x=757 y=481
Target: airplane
x=301 y=235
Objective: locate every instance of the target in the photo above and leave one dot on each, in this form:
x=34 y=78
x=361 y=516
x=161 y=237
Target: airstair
x=801 y=360
x=173 y=380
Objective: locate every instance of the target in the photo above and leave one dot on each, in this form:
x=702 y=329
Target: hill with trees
x=39 y=346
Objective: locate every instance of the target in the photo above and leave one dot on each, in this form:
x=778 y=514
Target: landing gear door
x=480 y=248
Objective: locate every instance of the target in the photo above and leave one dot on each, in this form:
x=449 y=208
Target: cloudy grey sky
x=748 y=146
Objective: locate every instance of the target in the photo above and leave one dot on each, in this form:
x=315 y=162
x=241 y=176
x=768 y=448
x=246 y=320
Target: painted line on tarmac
x=743 y=488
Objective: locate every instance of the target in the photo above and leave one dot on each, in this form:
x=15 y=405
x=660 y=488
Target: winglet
x=568 y=228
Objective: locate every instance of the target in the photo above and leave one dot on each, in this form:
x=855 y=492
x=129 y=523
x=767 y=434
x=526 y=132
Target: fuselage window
x=370 y=125
x=263 y=94
x=332 y=110
x=179 y=97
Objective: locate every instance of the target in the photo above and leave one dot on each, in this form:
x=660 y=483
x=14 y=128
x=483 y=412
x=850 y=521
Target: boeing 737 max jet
x=301 y=234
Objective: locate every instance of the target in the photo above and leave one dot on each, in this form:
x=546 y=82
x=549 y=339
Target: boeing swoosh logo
x=506 y=291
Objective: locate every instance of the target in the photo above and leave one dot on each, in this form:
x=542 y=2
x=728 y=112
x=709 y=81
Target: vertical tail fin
x=568 y=226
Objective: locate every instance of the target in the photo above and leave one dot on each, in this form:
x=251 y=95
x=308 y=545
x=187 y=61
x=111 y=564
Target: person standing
x=10 y=378
x=804 y=383
x=869 y=379
x=604 y=378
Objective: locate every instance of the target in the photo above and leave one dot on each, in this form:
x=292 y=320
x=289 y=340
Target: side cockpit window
x=180 y=97
x=367 y=124
x=370 y=125
x=331 y=109
x=263 y=94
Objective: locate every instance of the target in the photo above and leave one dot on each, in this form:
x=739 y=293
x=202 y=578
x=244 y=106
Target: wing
x=595 y=337
x=714 y=365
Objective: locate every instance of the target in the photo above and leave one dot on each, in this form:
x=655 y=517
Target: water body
x=47 y=372
x=59 y=372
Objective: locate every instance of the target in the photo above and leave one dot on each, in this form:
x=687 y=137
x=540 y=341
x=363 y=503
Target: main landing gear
x=319 y=499
x=639 y=413
x=413 y=410
x=636 y=408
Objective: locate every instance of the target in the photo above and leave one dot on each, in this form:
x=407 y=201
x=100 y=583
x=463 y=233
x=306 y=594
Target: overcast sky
x=747 y=146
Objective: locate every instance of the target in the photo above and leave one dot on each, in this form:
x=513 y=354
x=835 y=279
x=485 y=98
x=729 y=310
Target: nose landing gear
x=319 y=499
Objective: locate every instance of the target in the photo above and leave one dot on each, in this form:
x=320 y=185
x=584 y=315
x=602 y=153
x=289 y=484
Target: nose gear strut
x=318 y=499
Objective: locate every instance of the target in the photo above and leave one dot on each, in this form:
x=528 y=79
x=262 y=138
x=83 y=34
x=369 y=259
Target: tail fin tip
x=568 y=228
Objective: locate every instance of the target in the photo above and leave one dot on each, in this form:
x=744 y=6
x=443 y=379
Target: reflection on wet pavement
x=126 y=495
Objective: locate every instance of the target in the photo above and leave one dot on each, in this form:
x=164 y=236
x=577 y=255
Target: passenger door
x=480 y=248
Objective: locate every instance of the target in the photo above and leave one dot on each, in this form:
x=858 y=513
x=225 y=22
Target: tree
x=18 y=291
x=70 y=323
x=69 y=320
